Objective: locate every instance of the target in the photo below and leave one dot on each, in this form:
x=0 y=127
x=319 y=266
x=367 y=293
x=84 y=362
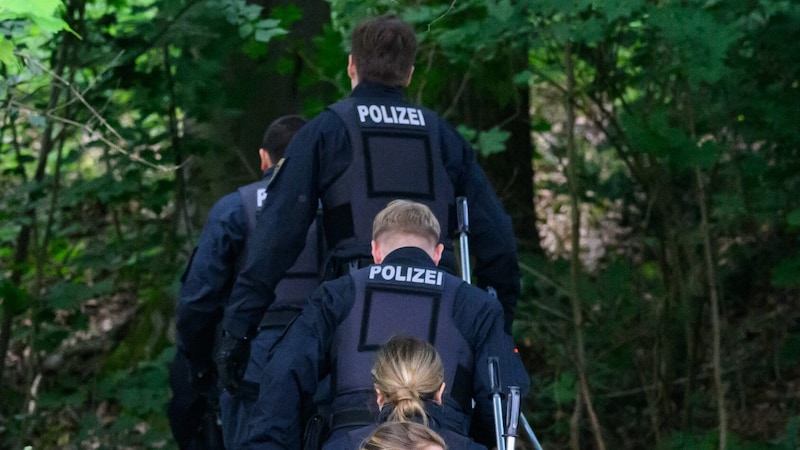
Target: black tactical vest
x=304 y=276
x=390 y=300
x=396 y=153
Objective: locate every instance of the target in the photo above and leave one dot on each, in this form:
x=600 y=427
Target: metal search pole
x=512 y=417
x=496 y=393
x=529 y=430
x=463 y=231
x=462 y=214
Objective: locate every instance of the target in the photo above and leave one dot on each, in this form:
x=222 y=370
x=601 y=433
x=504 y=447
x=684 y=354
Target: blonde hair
x=405 y=216
x=407 y=371
x=402 y=436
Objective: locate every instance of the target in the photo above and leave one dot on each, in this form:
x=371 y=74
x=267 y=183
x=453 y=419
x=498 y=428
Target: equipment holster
x=315 y=433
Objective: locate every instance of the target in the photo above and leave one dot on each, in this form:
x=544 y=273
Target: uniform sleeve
x=208 y=279
x=491 y=240
x=481 y=323
x=279 y=236
x=296 y=363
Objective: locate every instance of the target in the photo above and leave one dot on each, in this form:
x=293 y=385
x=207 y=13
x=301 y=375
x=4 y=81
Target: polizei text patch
x=416 y=275
x=390 y=115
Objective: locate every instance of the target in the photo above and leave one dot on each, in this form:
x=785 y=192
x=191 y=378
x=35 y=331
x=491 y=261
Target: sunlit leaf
x=267 y=35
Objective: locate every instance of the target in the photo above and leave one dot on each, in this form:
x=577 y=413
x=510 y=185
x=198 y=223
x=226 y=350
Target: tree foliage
x=661 y=311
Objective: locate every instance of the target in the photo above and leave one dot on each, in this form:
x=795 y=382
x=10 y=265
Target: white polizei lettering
x=418 y=275
x=412 y=116
x=375 y=113
x=386 y=118
x=402 y=119
x=430 y=276
x=374 y=270
x=409 y=275
x=261 y=195
x=399 y=275
x=394 y=114
x=363 y=112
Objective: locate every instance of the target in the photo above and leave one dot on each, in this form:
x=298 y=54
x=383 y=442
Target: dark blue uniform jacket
x=355 y=438
x=303 y=356
x=209 y=278
x=317 y=155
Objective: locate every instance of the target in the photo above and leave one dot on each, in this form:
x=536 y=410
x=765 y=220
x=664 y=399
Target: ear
x=437 y=253
x=437 y=397
x=380 y=398
x=352 y=71
x=410 y=74
x=266 y=161
x=377 y=252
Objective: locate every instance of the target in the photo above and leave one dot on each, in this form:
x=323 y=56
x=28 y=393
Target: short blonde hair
x=402 y=436
x=405 y=216
x=408 y=371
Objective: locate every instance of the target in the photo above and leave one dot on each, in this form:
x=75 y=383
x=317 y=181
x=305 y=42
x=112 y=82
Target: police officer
x=356 y=156
x=346 y=320
x=205 y=291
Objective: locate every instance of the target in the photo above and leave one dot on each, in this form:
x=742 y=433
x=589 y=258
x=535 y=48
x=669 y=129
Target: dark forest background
x=648 y=152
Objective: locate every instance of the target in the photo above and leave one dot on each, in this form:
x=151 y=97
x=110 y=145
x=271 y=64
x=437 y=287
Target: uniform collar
x=412 y=256
x=368 y=89
x=433 y=410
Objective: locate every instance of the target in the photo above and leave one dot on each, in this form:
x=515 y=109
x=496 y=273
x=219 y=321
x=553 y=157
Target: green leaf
x=245 y=29
x=728 y=206
x=793 y=219
x=619 y=8
x=268 y=23
x=703 y=157
x=14 y=300
x=492 y=141
x=564 y=389
x=787 y=273
x=540 y=124
x=287 y=15
x=501 y=10
x=32 y=8
x=7 y=53
x=41 y=13
x=699 y=42
x=67 y=295
x=267 y=35
x=467 y=132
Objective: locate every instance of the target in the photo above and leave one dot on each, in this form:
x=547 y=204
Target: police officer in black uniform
x=348 y=319
x=206 y=289
x=356 y=156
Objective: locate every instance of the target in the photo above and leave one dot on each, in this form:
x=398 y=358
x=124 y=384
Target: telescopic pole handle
x=463 y=230
x=512 y=416
x=462 y=211
x=497 y=405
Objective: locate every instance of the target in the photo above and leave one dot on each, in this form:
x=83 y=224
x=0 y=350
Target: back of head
x=279 y=134
x=406 y=217
x=384 y=49
x=403 y=436
x=408 y=371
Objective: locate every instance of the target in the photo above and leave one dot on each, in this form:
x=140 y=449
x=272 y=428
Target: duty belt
x=352 y=418
x=278 y=318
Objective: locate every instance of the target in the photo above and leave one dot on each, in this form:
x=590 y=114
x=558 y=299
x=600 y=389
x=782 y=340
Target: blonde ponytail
x=408 y=371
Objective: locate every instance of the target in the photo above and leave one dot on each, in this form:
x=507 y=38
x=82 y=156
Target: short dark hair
x=279 y=134
x=384 y=49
